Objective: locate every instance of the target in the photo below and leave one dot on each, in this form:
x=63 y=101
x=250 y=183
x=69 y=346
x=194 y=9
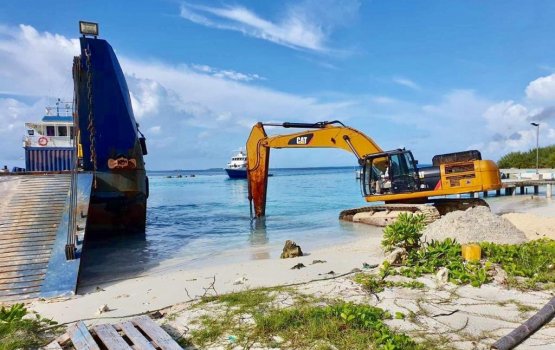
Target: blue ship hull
x=236 y=173
x=118 y=200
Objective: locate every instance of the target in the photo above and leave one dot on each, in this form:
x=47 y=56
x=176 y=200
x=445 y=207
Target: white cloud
x=542 y=89
x=34 y=63
x=179 y=99
x=306 y=25
x=226 y=74
x=155 y=130
x=407 y=83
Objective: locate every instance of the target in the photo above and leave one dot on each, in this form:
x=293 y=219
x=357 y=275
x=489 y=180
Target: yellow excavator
x=386 y=176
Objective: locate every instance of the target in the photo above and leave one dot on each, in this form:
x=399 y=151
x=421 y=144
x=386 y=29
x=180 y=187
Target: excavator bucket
x=258 y=156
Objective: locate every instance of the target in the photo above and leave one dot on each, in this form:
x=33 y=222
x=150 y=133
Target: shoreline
x=153 y=292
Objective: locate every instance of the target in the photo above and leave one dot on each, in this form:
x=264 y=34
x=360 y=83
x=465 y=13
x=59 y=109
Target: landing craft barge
x=98 y=186
x=113 y=147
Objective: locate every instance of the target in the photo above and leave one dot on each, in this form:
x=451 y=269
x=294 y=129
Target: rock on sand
x=477 y=224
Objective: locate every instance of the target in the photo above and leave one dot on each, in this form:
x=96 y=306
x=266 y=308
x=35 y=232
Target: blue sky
x=431 y=76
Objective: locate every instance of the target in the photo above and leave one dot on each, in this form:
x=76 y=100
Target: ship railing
x=55 y=141
x=72 y=228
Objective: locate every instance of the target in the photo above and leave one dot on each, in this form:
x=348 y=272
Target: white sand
x=149 y=293
x=533 y=225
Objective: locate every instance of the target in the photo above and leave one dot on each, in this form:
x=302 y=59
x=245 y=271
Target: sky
x=431 y=76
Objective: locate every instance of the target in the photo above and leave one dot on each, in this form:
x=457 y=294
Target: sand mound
x=477 y=224
x=534 y=226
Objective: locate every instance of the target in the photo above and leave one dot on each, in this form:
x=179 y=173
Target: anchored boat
x=237 y=167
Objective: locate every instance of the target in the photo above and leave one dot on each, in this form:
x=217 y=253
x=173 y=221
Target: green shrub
x=20 y=332
x=447 y=253
x=534 y=260
x=405 y=232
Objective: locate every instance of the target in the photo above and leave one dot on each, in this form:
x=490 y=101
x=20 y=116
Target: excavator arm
x=320 y=135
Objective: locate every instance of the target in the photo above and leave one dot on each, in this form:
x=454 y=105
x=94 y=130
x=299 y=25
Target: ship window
x=30 y=132
x=50 y=131
x=62 y=130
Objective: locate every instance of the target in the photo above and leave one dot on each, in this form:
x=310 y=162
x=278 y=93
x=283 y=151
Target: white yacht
x=237 y=167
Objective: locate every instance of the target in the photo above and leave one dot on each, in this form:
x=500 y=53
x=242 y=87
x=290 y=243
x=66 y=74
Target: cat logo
x=301 y=140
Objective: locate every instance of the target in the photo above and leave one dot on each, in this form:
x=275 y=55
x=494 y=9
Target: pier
x=42 y=230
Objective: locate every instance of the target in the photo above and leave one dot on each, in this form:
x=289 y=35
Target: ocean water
x=203 y=220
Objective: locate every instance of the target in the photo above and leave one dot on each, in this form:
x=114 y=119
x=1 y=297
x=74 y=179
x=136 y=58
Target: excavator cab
x=389 y=172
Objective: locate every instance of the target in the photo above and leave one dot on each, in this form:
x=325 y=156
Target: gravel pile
x=477 y=224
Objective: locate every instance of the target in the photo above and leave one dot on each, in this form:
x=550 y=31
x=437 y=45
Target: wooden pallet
x=140 y=333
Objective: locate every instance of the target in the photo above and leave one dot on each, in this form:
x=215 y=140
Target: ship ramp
x=42 y=229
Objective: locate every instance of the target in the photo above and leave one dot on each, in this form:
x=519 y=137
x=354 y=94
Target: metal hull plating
x=48 y=159
x=118 y=203
x=237 y=173
x=110 y=141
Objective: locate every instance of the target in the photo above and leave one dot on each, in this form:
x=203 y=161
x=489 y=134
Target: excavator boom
x=321 y=135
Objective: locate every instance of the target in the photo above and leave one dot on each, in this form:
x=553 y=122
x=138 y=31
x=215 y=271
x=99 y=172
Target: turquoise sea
x=205 y=219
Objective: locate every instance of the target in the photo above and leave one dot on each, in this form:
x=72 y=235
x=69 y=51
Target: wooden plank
x=28 y=278
x=111 y=339
x=138 y=340
x=53 y=346
x=81 y=338
x=157 y=334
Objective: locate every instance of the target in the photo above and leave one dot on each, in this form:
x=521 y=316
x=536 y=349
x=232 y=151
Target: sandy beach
x=328 y=271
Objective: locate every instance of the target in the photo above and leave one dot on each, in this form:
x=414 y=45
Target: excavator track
x=383 y=215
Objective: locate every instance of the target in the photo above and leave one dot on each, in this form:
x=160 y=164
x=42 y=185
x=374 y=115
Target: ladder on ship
x=34 y=232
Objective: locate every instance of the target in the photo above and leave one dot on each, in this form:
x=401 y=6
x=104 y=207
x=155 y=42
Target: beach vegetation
x=405 y=232
x=20 y=329
x=529 y=265
x=300 y=323
x=534 y=261
x=446 y=253
x=245 y=300
x=375 y=284
x=523 y=160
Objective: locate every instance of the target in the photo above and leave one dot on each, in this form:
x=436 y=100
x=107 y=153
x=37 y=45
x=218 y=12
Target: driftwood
x=527 y=328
